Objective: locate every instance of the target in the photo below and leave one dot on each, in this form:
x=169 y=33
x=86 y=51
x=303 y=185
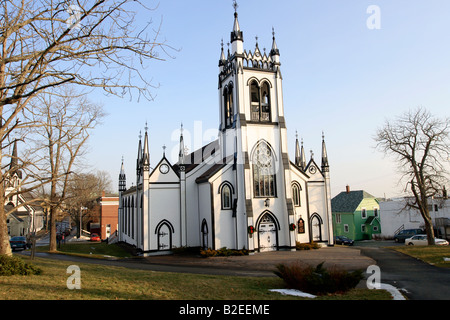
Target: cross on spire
x=235 y=5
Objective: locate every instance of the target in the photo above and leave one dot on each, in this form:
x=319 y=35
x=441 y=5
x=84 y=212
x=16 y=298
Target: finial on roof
x=236 y=34
x=274 y=50
x=235 y=6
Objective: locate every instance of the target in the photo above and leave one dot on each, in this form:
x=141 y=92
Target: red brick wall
x=109 y=211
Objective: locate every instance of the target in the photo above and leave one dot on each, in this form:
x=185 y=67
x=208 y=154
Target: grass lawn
x=100 y=282
x=91 y=249
x=431 y=254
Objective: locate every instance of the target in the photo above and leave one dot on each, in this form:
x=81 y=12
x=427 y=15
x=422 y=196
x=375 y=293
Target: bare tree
x=62 y=127
x=47 y=43
x=83 y=191
x=420 y=144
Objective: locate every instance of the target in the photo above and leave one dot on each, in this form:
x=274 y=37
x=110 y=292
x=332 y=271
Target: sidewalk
x=346 y=258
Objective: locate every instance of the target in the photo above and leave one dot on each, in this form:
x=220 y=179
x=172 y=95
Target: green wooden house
x=356 y=215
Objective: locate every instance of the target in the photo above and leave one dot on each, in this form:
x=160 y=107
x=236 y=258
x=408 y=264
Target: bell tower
x=253 y=128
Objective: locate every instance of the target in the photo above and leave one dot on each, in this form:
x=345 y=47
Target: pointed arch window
x=264 y=179
x=226 y=197
x=228 y=105
x=260 y=102
x=296 y=194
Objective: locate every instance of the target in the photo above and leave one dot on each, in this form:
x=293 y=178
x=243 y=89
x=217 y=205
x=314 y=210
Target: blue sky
x=339 y=77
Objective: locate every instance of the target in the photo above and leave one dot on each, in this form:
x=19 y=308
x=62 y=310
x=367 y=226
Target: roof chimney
x=347 y=189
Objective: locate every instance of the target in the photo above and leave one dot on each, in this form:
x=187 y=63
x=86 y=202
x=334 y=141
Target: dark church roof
x=197 y=157
x=348 y=201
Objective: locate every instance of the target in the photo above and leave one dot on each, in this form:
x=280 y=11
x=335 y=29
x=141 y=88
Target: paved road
x=416 y=279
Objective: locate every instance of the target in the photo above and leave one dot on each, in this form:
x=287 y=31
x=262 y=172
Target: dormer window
x=260 y=102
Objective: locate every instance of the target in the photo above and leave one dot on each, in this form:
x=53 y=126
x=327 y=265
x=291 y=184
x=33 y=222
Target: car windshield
x=17 y=238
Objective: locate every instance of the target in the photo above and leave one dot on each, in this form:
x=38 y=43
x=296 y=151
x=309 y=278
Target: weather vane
x=235 y=5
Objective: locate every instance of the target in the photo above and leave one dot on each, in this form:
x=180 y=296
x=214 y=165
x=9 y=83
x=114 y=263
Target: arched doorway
x=316 y=227
x=164 y=232
x=267 y=233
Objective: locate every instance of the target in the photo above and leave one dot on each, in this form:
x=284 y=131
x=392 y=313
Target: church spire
x=14 y=165
x=122 y=178
x=146 y=152
x=14 y=159
x=181 y=153
x=275 y=51
x=237 y=36
x=222 y=55
x=325 y=166
x=139 y=155
x=297 y=151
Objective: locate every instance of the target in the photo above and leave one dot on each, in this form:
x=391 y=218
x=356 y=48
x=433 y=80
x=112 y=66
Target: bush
x=306 y=246
x=222 y=252
x=318 y=280
x=12 y=265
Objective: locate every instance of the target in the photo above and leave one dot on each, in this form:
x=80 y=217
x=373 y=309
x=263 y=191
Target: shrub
x=222 y=252
x=306 y=246
x=318 y=280
x=12 y=265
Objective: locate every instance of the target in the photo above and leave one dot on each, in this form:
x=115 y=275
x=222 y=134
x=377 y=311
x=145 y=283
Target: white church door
x=316 y=228
x=267 y=234
x=164 y=237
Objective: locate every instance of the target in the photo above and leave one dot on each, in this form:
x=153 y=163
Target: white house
x=23 y=217
x=241 y=190
x=396 y=216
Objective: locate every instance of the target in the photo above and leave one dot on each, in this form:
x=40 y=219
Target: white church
x=241 y=190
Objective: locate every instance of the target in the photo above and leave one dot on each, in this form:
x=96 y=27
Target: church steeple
x=146 y=152
x=181 y=152
x=297 y=151
x=14 y=165
x=300 y=157
x=237 y=36
x=139 y=156
x=325 y=165
x=274 y=51
x=122 y=178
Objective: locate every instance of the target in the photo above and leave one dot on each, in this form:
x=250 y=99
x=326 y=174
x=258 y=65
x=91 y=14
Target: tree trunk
x=429 y=230
x=52 y=246
x=5 y=247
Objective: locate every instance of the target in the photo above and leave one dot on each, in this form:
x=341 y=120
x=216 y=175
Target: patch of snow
x=396 y=295
x=293 y=292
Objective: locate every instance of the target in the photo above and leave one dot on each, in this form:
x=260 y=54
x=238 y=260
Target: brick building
x=108 y=209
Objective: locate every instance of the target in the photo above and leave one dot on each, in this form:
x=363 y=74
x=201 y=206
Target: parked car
x=407 y=233
x=421 y=240
x=95 y=237
x=18 y=243
x=343 y=240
